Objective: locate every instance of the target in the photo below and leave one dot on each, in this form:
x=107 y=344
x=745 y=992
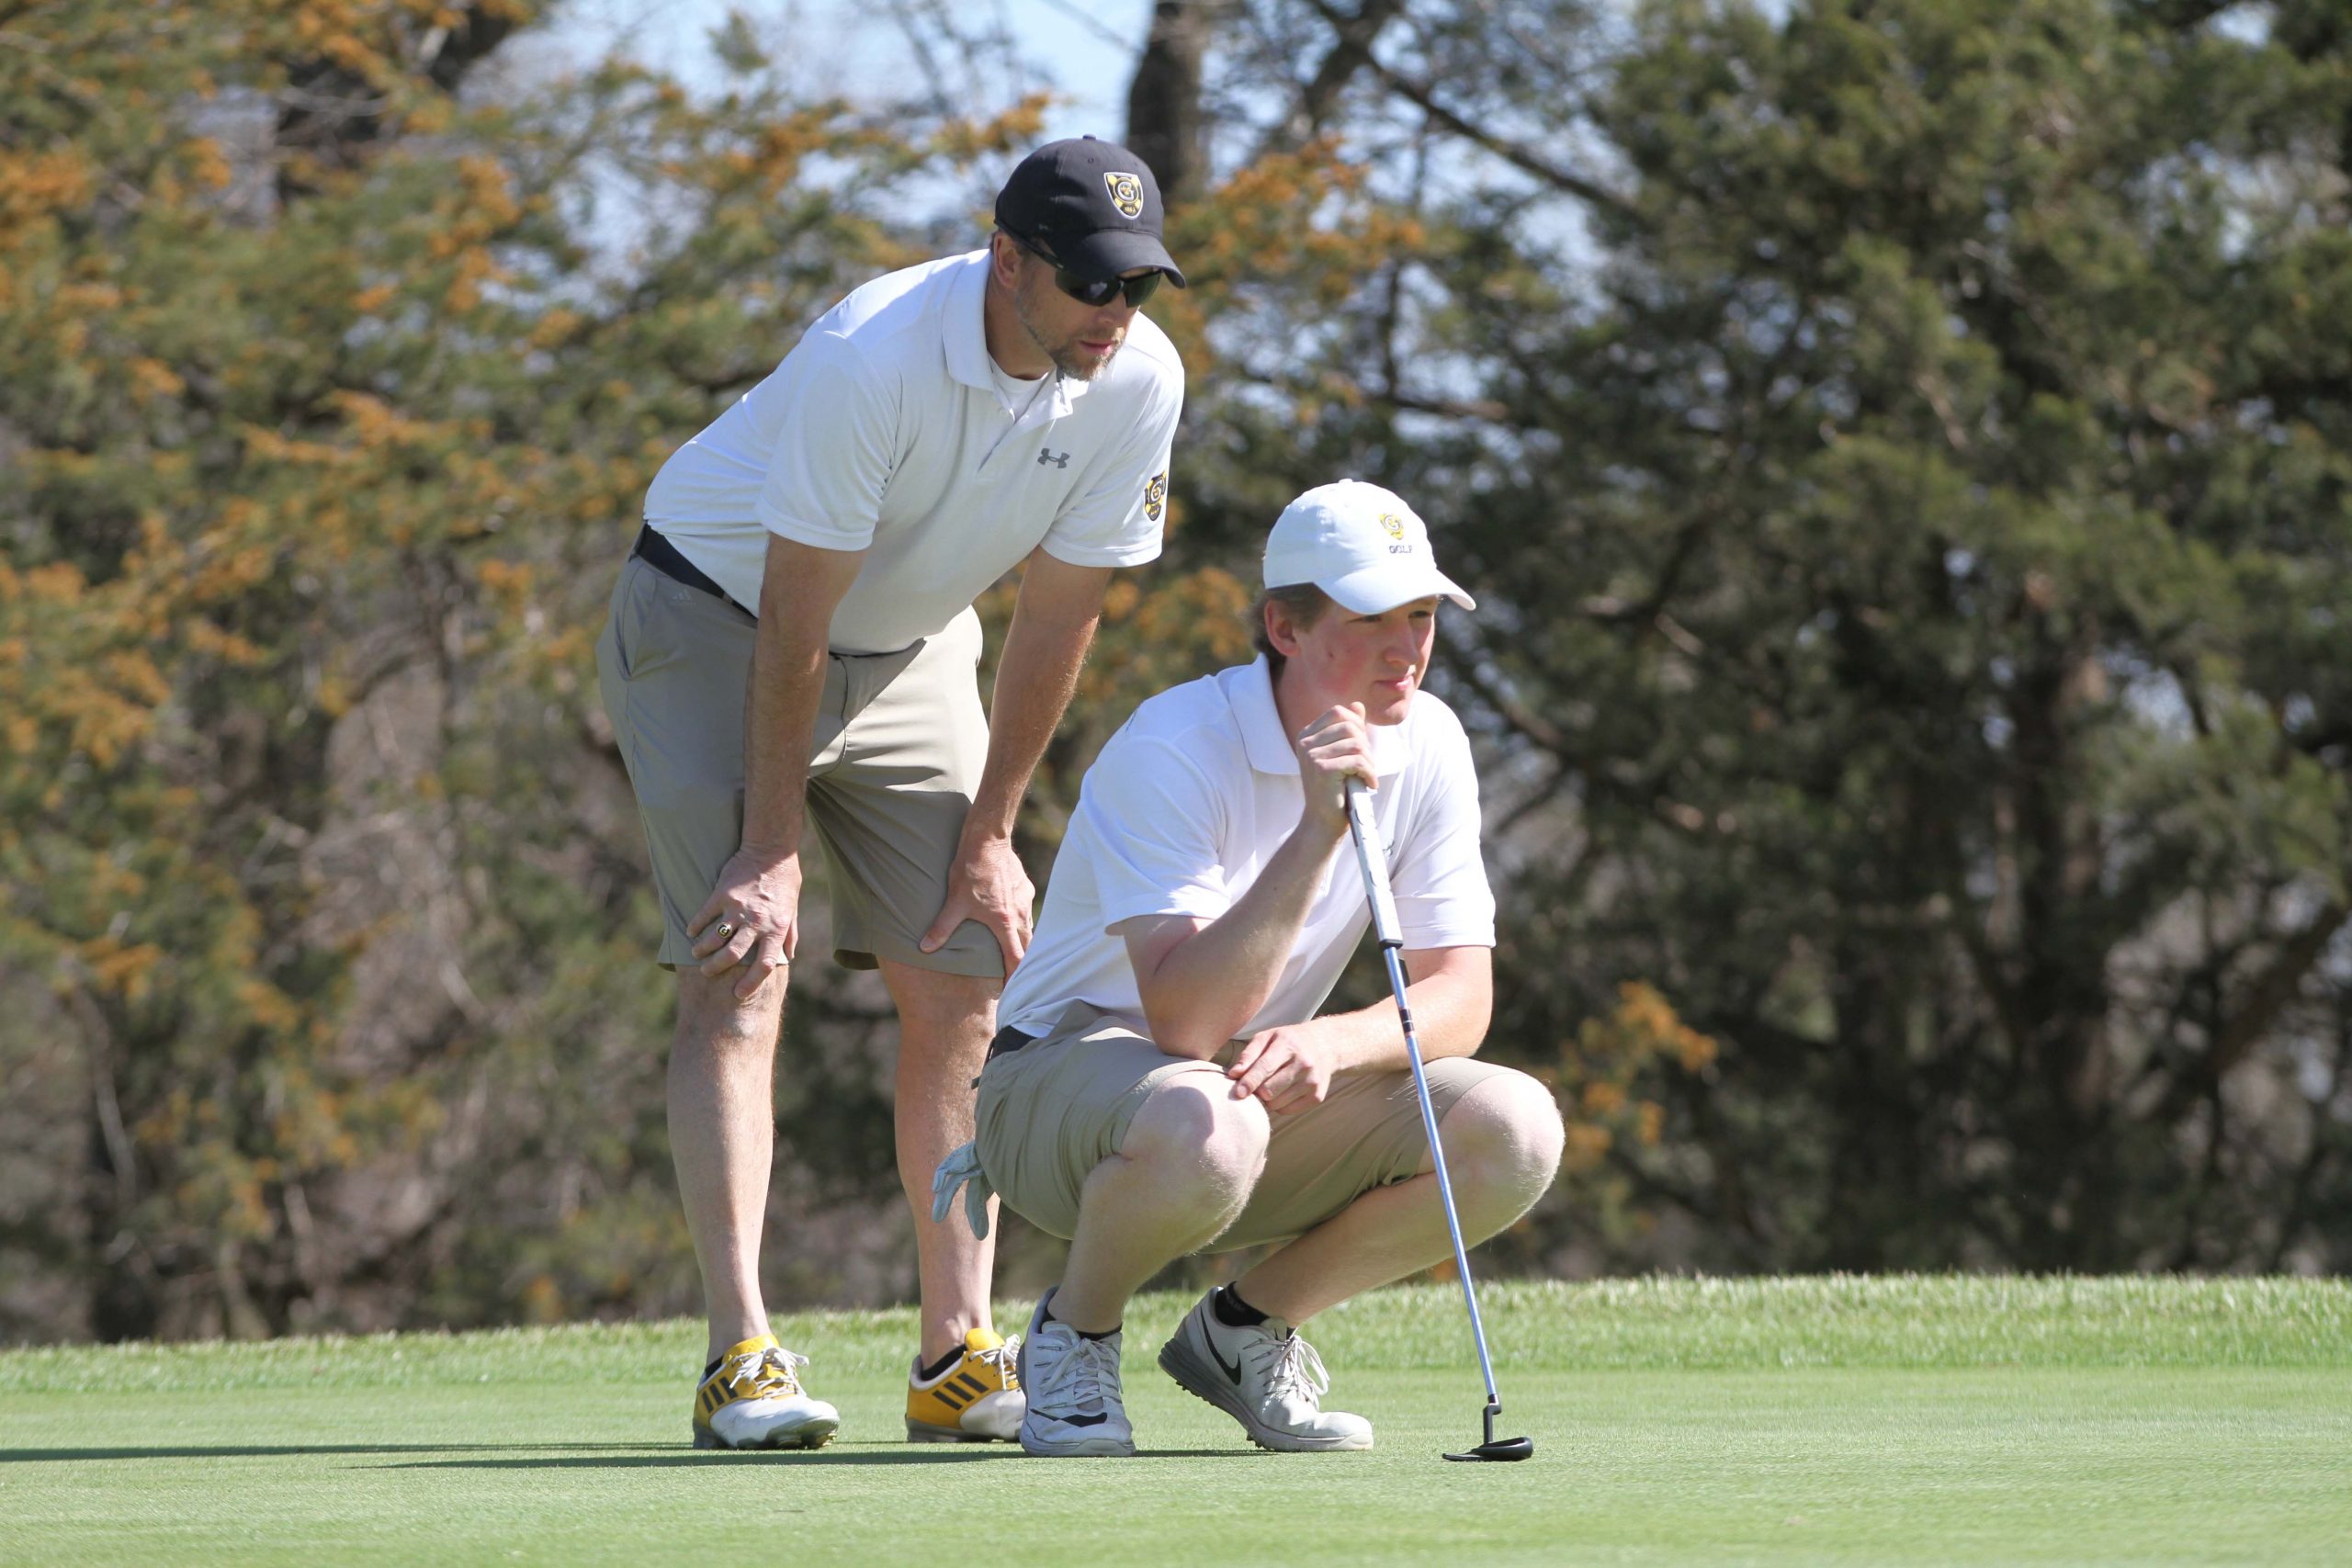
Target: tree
x=1902 y=446
x=1167 y=122
x=1898 y=448
x=330 y=395
x=338 y=357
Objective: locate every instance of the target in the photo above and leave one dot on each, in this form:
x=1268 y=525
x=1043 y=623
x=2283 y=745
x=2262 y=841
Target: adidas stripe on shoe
x=977 y=1399
x=754 y=1400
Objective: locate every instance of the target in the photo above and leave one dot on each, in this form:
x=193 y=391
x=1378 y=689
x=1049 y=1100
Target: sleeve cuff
x=1421 y=940
x=822 y=536
x=1199 y=906
x=1103 y=555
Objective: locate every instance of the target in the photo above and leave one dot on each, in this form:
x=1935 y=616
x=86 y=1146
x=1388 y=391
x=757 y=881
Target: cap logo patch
x=1392 y=525
x=1154 y=495
x=1126 y=192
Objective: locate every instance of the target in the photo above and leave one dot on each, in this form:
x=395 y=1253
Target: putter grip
x=1373 y=855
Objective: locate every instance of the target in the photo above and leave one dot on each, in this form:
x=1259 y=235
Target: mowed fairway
x=1800 y=1421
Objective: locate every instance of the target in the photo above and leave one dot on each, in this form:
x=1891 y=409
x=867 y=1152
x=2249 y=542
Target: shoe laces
x=1088 y=1374
x=1296 y=1371
x=1004 y=1359
x=769 y=1371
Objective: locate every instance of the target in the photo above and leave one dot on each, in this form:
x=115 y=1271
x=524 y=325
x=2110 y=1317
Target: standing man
x=1164 y=1084
x=792 y=650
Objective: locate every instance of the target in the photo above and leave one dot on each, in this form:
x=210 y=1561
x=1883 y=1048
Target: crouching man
x=1162 y=1083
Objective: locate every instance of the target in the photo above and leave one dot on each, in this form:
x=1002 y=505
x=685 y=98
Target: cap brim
x=1377 y=590
x=1107 y=253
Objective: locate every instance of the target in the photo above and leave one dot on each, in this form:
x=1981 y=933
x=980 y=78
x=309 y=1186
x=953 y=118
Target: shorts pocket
x=645 y=623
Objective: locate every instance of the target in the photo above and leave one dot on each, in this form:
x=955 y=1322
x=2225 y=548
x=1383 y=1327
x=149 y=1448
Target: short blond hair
x=1306 y=604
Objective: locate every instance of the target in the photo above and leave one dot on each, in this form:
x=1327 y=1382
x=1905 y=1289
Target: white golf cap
x=1360 y=544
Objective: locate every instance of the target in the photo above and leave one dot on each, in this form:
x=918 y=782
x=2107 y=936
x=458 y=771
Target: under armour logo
x=1058 y=459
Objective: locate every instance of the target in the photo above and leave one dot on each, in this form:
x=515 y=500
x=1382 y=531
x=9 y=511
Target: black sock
x=1080 y=1332
x=939 y=1369
x=710 y=1369
x=1232 y=1311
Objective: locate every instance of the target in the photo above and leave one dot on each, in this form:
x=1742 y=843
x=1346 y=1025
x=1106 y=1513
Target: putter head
x=1503 y=1452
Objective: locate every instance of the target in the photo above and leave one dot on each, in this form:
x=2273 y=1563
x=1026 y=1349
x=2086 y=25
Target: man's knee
x=1504 y=1138
x=713 y=1020
x=1205 y=1147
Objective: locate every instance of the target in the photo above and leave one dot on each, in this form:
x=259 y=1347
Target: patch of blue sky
x=880 y=56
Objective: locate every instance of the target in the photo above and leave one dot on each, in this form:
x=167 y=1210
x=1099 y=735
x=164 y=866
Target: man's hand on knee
x=752 y=919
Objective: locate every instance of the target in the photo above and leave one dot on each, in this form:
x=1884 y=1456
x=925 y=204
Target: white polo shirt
x=889 y=429
x=1184 y=808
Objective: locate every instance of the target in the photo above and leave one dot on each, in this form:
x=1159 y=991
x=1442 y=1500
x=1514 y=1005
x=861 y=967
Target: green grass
x=1805 y=1421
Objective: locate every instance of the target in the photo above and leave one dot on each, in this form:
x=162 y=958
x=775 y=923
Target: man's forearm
x=1035 y=679
x=798 y=595
x=1209 y=986
x=779 y=723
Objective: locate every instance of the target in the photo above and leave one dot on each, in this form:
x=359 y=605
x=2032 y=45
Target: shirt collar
x=1251 y=691
x=965 y=331
x=964 y=324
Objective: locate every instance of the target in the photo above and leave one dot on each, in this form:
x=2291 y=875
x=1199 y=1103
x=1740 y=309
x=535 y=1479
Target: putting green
x=1675 y=1422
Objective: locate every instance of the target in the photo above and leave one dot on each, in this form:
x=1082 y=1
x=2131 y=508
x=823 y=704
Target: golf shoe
x=977 y=1399
x=752 y=1399
x=1072 y=1384
x=1265 y=1376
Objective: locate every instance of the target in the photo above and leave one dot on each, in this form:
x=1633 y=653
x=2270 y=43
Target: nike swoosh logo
x=1232 y=1369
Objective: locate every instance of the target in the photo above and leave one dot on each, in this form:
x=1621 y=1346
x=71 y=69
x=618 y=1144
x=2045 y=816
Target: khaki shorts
x=1051 y=1112
x=898 y=747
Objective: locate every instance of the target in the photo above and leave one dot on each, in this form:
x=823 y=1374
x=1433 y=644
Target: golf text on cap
x=1360 y=544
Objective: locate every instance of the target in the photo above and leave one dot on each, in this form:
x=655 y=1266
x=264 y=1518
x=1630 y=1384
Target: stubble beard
x=1069 y=358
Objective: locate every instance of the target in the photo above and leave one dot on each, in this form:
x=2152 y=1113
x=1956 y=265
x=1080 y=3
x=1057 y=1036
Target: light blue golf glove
x=962 y=1169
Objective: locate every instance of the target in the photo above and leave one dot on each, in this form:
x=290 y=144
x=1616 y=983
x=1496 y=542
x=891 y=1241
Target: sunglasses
x=1094 y=292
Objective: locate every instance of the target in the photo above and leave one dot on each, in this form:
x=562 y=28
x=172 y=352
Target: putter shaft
x=1373 y=856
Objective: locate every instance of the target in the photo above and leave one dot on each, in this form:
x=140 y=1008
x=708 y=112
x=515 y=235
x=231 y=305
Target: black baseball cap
x=1091 y=205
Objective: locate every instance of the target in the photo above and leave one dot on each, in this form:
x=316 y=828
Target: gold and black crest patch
x=1154 y=495
x=1126 y=192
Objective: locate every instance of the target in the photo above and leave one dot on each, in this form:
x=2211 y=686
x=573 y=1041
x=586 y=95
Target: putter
x=1373 y=856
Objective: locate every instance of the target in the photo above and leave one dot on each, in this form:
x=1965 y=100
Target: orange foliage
x=126 y=969
x=36 y=185
x=1608 y=1058
x=961 y=141
x=151 y=378
x=509 y=583
x=207 y=164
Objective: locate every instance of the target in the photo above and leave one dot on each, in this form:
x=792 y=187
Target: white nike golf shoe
x=1073 y=1387
x=1265 y=1376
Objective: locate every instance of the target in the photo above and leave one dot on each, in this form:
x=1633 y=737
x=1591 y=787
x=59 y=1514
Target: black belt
x=1008 y=1039
x=656 y=550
